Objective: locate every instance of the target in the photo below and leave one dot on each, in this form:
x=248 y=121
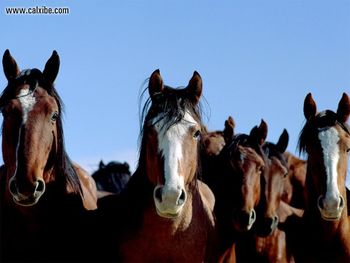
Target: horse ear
x=9 y=64
x=101 y=165
x=343 y=111
x=194 y=87
x=310 y=108
x=155 y=84
x=259 y=133
x=283 y=141
x=51 y=67
x=229 y=129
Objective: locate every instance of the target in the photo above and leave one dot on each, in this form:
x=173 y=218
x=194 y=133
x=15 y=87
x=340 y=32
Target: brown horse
x=234 y=176
x=326 y=140
x=273 y=185
x=213 y=142
x=166 y=213
x=268 y=244
x=295 y=183
x=42 y=191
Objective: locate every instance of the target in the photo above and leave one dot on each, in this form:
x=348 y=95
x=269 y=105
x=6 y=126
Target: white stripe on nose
x=329 y=141
x=170 y=145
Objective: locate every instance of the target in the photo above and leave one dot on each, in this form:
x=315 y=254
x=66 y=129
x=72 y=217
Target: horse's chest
x=158 y=241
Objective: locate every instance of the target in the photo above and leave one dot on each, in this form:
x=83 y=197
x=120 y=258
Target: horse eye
x=285 y=175
x=348 y=150
x=197 y=134
x=54 y=116
x=261 y=169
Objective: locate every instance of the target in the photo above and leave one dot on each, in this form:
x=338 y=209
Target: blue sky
x=258 y=59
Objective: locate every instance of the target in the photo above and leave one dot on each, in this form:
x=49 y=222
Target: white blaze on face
x=27 y=101
x=170 y=142
x=329 y=141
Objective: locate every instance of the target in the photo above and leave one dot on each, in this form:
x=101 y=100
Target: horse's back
x=88 y=186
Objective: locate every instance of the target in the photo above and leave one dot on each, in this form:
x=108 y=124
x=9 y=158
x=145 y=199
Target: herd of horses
x=196 y=195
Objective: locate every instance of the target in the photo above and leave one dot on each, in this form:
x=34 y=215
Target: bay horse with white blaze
x=43 y=194
x=326 y=140
x=166 y=213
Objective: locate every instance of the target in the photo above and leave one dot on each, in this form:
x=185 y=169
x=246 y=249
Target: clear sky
x=258 y=59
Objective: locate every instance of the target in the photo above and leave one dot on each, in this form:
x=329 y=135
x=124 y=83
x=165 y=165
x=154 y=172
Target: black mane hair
x=65 y=172
x=322 y=120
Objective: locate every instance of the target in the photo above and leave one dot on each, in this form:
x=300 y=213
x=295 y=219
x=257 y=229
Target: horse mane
x=65 y=171
x=322 y=120
x=171 y=104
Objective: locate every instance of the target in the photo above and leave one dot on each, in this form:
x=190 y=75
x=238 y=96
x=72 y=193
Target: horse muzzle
x=330 y=209
x=244 y=220
x=169 y=201
x=30 y=198
x=267 y=225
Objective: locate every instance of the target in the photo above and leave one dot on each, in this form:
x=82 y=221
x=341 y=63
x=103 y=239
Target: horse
x=268 y=243
x=111 y=178
x=166 y=211
x=295 y=183
x=273 y=185
x=325 y=138
x=213 y=142
x=234 y=176
x=44 y=195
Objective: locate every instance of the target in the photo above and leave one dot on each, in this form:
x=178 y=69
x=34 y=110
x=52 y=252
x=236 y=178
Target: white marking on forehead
x=27 y=101
x=329 y=141
x=170 y=143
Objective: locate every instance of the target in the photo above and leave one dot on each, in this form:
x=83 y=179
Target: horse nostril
x=182 y=197
x=341 y=202
x=320 y=202
x=274 y=222
x=252 y=216
x=40 y=186
x=158 y=194
x=13 y=186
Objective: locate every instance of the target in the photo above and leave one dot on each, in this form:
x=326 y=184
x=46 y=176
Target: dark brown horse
x=268 y=243
x=272 y=185
x=111 y=178
x=234 y=176
x=42 y=192
x=165 y=211
x=326 y=140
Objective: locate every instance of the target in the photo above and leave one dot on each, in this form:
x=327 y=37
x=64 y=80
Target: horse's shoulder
x=206 y=195
x=88 y=186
